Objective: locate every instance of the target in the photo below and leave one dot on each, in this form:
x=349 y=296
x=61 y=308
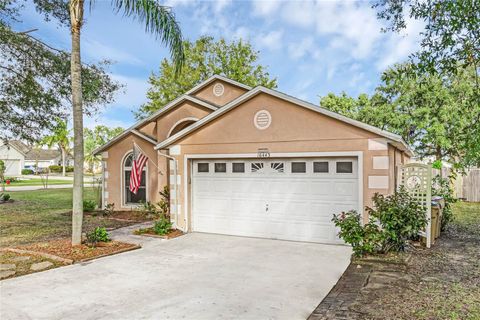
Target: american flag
x=139 y=161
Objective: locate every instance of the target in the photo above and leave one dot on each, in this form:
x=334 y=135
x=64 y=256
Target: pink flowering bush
x=364 y=239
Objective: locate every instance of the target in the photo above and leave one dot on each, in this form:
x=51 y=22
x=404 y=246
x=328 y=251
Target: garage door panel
x=345 y=188
x=273 y=203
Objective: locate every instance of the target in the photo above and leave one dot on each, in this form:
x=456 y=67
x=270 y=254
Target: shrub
x=164 y=204
x=441 y=187
x=162 y=226
x=100 y=234
x=149 y=209
x=55 y=168
x=4 y=197
x=89 y=205
x=27 y=171
x=363 y=238
x=400 y=217
x=69 y=169
x=109 y=209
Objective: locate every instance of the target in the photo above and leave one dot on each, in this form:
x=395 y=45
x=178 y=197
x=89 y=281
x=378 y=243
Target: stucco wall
x=231 y=92
x=293 y=129
x=113 y=157
x=170 y=119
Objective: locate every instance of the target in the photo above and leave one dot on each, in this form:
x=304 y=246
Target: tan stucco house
x=253 y=162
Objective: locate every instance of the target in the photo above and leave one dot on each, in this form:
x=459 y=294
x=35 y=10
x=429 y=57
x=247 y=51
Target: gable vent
x=218 y=89
x=262 y=119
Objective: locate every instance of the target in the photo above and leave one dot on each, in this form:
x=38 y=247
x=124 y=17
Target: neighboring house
x=17 y=155
x=253 y=162
x=43 y=158
x=13 y=154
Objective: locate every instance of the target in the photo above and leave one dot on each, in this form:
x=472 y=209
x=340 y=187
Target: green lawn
x=37 y=182
x=43 y=215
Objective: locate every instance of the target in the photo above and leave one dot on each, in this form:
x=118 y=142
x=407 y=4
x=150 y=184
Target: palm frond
x=160 y=21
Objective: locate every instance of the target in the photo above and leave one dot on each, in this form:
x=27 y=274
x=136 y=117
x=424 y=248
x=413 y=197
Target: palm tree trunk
x=76 y=18
x=63 y=161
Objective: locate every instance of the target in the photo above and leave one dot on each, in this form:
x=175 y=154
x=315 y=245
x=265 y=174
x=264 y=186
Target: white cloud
x=134 y=93
x=272 y=40
x=98 y=51
x=265 y=7
x=300 y=49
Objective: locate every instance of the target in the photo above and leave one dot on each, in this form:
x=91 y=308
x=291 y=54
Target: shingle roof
x=42 y=154
x=19 y=145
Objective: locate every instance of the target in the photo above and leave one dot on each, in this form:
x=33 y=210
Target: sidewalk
x=53 y=186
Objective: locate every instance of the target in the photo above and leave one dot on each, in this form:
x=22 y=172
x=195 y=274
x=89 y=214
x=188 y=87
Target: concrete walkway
x=196 y=276
x=53 y=186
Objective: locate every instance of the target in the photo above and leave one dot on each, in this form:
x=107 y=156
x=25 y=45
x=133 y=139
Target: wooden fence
x=465 y=187
x=469 y=186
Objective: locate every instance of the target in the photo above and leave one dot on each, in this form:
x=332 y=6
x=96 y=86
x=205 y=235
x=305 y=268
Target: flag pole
x=175 y=174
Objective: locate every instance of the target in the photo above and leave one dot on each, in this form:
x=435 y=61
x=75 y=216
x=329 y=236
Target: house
x=13 y=155
x=253 y=162
x=17 y=155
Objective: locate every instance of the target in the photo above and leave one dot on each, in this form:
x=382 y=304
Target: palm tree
x=60 y=137
x=158 y=20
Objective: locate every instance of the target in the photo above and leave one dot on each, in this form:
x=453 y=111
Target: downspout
x=176 y=184
x=103 y=184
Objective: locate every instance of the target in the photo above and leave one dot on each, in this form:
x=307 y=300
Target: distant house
x=17 y=155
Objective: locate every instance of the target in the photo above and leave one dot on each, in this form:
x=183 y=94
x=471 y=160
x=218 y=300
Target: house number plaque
x=263 y=153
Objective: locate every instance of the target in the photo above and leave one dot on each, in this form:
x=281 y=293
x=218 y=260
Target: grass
x=44 y=215
x=37 y=182
x=445 y=279
x=466 y=218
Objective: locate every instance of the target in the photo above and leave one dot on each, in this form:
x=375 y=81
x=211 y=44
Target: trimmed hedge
x=27 y=171
x=59 y=169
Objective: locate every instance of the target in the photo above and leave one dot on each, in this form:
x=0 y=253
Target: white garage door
x=12 y=167
x=291 y=199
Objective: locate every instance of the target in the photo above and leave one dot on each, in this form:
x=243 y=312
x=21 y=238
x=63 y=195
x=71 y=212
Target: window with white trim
x=129 y=197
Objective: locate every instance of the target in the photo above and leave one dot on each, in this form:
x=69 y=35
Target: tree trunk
x=76 y=18
x=63 y=161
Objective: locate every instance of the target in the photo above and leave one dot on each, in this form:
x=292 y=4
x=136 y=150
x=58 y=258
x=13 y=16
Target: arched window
x=129 y=197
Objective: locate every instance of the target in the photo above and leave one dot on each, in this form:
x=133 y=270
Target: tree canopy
x=205 y=57
x=95 y=138
x=451 y=37
x=35 y=81
x=433 y=114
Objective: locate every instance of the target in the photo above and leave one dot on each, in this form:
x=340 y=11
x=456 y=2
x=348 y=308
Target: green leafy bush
x=27 y=171
x=89 y=205
x=149 y=209
x=164 y=204
x=393 y=221
x=4 y=197
x=162 y=226
x=441 y=187
x=69 y=169
x=400 y=217
x=364 y=239
x=100 y=234
x=55 y=168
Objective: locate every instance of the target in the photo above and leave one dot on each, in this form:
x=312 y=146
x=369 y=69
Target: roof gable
x=300 y=103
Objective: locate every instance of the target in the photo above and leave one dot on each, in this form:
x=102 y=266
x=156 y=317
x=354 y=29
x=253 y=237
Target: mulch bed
x=130 y=215
x=149 y=232
x=63 y=248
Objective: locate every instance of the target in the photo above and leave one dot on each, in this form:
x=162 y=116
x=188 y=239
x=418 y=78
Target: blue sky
x=311 y=47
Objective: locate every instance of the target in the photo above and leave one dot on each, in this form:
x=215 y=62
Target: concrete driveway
x=197 y=276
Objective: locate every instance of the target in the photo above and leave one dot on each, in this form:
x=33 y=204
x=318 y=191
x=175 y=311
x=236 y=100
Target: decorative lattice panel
x=417 y=180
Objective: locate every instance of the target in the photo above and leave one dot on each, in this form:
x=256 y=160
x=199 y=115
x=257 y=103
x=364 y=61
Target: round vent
x=218 y=89
x=262 y=119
